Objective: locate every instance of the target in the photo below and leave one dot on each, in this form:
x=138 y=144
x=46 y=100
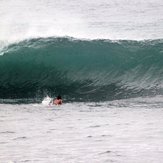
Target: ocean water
x=105 y=58
x=118 y=131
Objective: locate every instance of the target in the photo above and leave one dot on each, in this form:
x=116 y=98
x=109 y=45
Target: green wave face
x=81 y=70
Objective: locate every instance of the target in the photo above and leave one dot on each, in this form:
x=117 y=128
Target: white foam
x=46 y=101
x=116 y=131
x=120 y=19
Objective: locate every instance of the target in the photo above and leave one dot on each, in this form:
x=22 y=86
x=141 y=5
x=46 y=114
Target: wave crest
x=81 y=70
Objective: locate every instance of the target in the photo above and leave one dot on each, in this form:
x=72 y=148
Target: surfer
x=58 y=100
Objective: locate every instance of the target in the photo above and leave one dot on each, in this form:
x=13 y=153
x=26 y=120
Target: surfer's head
x=59 y=97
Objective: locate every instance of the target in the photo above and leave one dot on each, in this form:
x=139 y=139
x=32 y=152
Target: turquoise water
x=81 y=70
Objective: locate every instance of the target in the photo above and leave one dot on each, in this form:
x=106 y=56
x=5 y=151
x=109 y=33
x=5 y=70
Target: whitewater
x=121 y=131
x=105 y=58
x=119 y=19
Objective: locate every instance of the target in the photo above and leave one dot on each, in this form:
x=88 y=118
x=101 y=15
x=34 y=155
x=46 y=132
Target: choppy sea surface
x=120 y=131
